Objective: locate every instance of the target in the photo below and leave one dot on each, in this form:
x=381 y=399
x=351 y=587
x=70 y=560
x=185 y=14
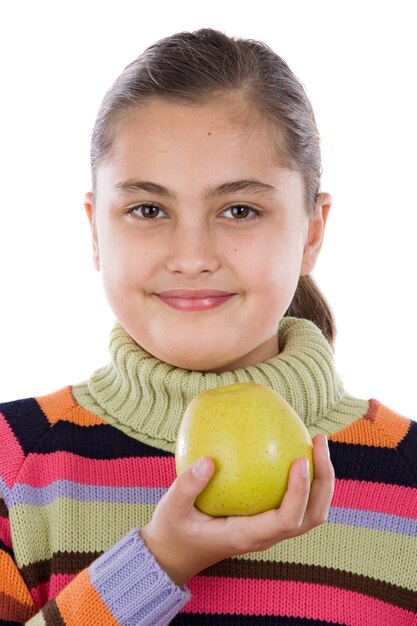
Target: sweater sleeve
x=124 y=586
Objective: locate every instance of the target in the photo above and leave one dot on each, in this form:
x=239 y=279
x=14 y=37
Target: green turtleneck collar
x=146 y=398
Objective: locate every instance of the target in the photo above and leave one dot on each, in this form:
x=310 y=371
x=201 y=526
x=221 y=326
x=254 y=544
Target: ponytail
x=309 y=303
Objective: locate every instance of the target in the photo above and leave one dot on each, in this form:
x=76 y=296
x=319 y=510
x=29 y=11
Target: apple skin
x=253 y=435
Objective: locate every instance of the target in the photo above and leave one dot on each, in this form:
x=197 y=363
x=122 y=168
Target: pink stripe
x=5 y=534
x=10 y=462
x=46 y=591
x=379 y=497
x=42 y=470
x=292 y=599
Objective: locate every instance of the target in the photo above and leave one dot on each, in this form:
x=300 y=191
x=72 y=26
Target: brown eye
x=147 y=211
x=241 y=212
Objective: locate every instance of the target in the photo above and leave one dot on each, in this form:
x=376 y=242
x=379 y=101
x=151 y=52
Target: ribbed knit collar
x=146 y=397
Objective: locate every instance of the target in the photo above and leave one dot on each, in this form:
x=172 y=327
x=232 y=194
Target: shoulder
x=380 y=426
x=29 y=418
x=385 y=440
x=24 y=423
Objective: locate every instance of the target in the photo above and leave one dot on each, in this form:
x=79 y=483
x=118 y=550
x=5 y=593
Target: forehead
x=192 y=145
x=227 y=121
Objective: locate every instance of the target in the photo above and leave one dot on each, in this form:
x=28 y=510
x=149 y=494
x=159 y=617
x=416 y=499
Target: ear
x=315 y=233
x=89 y=208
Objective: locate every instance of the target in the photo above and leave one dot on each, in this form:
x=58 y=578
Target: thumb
x=190 y=483
x=202 y=469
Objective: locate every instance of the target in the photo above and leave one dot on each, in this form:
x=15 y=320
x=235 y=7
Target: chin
x=200 y=364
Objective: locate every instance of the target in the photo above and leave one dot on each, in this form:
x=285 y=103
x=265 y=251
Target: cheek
x=124 y=258
x=277 y=286
x=123 y=266
x=270 y=259
x=272 y=272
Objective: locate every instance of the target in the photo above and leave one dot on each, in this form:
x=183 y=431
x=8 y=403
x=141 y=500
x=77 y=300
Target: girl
x=207 y=219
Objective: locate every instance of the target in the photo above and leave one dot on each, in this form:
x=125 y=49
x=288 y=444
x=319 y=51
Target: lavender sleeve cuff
x=134 y=587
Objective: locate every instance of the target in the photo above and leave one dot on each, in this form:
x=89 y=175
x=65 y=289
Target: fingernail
x=325 y=443
x=200 y=469
x=305 y=468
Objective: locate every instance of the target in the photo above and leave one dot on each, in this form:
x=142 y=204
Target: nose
x=192 y=251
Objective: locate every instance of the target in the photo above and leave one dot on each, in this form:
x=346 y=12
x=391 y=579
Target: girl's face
x=200 y=236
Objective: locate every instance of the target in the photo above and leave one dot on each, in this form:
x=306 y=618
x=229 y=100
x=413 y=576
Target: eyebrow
x=248 y=185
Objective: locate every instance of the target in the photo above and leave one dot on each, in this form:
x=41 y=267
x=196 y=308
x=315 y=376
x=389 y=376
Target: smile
x=195 y=300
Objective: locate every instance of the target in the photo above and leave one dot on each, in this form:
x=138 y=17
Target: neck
x=146 y=398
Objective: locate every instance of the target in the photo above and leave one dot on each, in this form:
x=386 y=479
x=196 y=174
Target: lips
x=195 y=300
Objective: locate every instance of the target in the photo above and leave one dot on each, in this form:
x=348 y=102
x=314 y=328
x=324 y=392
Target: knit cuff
x=133 y=585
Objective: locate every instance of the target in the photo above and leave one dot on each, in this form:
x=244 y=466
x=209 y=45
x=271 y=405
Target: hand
x=185 y=541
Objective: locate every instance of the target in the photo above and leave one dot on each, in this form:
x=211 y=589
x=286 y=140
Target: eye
x=241 y=212
x=146 y=211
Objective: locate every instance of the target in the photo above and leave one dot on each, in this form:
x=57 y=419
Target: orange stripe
x=79 y=603
x=62 y=405
x=11 y=583
x=380 y=427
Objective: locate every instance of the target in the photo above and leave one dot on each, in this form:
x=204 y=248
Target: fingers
x=303 y=507
x=322 y=488
x=288 y=519
x=323 y=485
x=294 y=504
x=184 y=541
x=188 y=485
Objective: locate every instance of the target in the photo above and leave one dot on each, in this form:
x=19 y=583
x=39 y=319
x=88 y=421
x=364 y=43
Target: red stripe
x=5 y=534
x=379 y=497
x=41 y=470
x=11 y=462
x=291 y=599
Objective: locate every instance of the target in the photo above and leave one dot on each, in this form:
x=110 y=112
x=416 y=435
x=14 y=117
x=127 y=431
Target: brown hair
x=190 y=67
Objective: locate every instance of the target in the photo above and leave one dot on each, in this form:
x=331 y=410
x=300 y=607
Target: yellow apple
x=253 y=435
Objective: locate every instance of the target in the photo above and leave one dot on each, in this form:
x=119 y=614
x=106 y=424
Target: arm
x=125 y=584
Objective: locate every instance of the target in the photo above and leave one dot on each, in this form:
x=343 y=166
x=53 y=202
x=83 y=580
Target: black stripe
x=408 y=448
x=314 y=574
x=6 y=549
x=359 y=462
x=95 y=442
x=27 y=420
x=40 y=572
x=3 y=509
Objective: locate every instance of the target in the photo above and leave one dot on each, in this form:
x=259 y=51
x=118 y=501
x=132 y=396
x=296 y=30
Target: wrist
x=132 y=585
x=169 y=564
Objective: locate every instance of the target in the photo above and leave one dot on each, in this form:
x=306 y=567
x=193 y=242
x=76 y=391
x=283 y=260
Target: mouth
x=195 y=300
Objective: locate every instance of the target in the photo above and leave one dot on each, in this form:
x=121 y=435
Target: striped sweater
x=83 y=468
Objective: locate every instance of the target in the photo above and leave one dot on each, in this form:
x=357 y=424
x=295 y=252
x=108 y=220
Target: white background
x=357 y=60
